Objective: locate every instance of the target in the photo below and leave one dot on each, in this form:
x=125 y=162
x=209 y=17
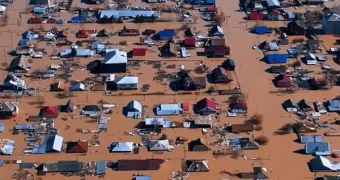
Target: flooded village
x=169 y=89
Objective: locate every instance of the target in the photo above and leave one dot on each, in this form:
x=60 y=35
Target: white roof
x=110 y=77
x=127 y=80
x=2 y=8
x=115 y=57
x=58 y=143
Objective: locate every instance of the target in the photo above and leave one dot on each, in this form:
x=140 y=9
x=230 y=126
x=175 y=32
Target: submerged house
x=80 y=146
x=322 y=164
x=198 y=145
x=90 y=109
x=121 y=147
x=53 y=143
x=115 y=62
x=19 y=64
x=49 y=112
x=318 y=148
x=238 y=108
x=9 y=109
x=138 y=164
x=127 y=83
x=159 y=145
x=68 y=107
x=216 y=31
x=244 y=144
x=238 y=128
x=195 y=165
x=333 y=105
x=291 y=106
x=168 y=109
x=189 y=83
x=259 y=173
x=205 y=106
x=134 y=110
x=58 y=86
x=220 y=75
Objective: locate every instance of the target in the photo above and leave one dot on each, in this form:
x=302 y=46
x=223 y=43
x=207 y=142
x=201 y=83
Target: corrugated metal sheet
x=100 y=167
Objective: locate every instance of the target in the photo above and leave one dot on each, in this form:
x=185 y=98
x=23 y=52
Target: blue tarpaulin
x=78 y=19
x=23 y=42
x=100 y=167
x=276 y=58
x=262 y=30
x=166 y=34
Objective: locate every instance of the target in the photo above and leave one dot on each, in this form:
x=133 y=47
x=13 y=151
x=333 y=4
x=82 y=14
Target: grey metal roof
x=195 y=165
x=53 y=143
x=322 y=148
x=7 y=107
x=273 y=3
x=134 y=106
x=159 y=145
x=121 y=147
x=100 y=167
x=126 y=13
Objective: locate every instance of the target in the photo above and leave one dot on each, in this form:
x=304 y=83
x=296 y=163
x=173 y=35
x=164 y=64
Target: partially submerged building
x=80 y=146
x=195 y=165
x=121 y=147
x=168 y=109
x=133 y=110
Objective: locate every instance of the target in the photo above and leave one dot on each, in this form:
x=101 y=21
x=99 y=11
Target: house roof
x=283 y=78
x=206 y=102
x=53 y=143
x=49 y=111
x=69 y=107
x=334 y=17
x=101 y=166
x=145 y=164
x=19 y=62
x=127 y=80
x=167 y=33
x=310 y=139
x=93 y=108
x=77 y=147
x=39 y=2
x=189 y=32
x=216 y=29
x=77 y=86
x=141 y=178
x=220 y=71
x=134 y=106
x=198 y=145
x=115 y=57
x=189 y=41
x=185 y=106
x=303 y=104
x=195 y=165
x=126 y=13
x=290 y=104
x=139 y=51
x=236 y=128
x=331 y=177
x=7 y=106
x=159 y=145
x=238 y=105
x=121 y=147
x=273 y=3
x=103 y=33
x=228 y=63
x=318 y=148
x=320 y=163
x=249 y=144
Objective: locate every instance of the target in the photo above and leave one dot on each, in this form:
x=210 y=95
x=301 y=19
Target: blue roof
x=77 y=19
x=273 y=3
x=27 y=35
x=317 y=148
x=1 y=162
x=126 y=13
x=22 y=42
x=39 y=149
x=310 y=139
x=9 y=148
x=333 y=105
x=141 y=178
x=273 y=58
x=100 y=167
x=39 y=10
x=80 y=52
x=26 y=127
x=2 y=126
x=262 y=30
x=210 y=1
x=167 y=33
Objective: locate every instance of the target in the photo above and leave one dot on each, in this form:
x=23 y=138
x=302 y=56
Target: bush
x=261 y=140
x=258 y=128
x=256 y=119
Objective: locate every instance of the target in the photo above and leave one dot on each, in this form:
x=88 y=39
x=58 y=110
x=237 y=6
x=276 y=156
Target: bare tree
x=262 y=140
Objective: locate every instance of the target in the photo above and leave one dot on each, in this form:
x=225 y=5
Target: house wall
x=330 y=27
x=238 y=111
x=127 y=86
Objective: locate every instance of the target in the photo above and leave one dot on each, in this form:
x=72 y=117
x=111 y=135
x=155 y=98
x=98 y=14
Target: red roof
x=83 y=32
x=283 y=77
x=49 y=111
x=185 y=106
x=211 y=8
x=139 y=51
x=190 y=41
x=274 y=12
x=206 y=102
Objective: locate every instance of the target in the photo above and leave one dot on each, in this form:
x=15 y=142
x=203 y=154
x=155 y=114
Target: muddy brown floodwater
x=278 y=156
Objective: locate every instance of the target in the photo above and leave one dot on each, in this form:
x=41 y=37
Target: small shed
x=49 y=112
x=283 y=80
x=133 y=110
x=185 y=106
x=168 y=109
x=77 y=147
x=166 y=34
x=238 y=128
x=276 y=58
x=139 y=52
x=229 y=65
